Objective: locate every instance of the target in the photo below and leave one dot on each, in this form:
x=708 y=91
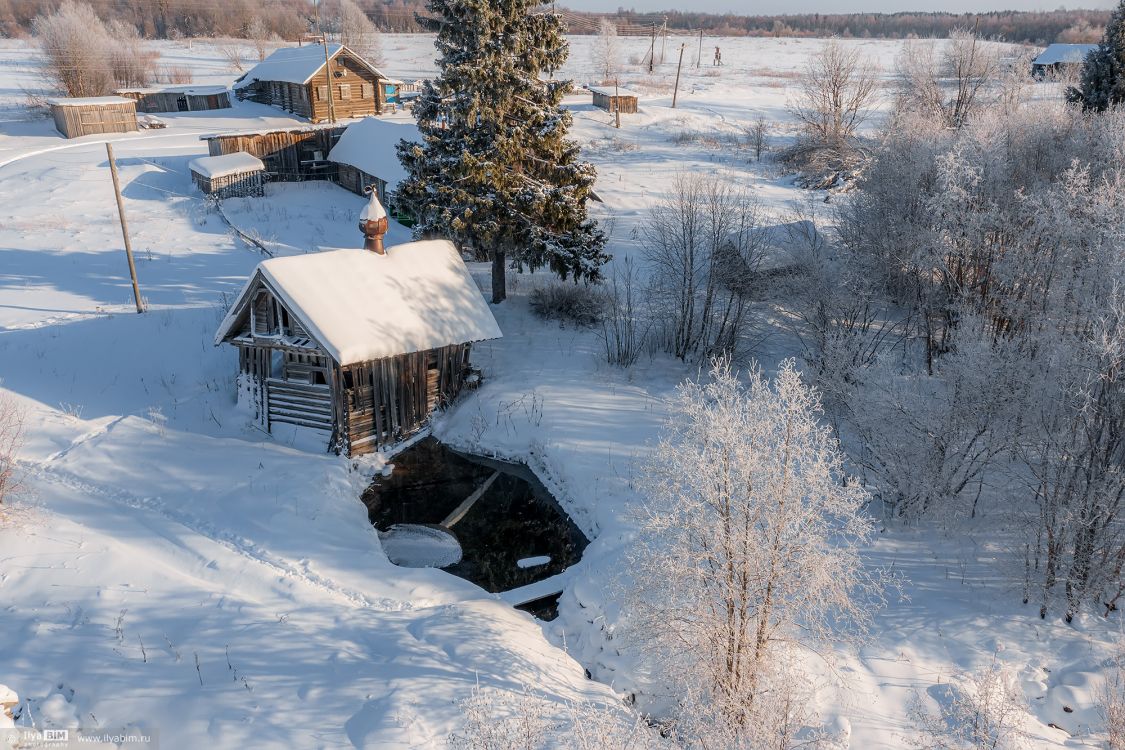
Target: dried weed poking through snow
x=11 y=440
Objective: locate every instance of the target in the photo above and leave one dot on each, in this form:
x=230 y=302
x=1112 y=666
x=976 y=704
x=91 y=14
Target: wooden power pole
x=327 y=66
x=699 y=57
x=676 y=91
x=616 y=104
x=124 y=227
x=652 y=48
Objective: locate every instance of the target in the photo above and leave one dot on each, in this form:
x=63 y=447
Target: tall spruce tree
x=1103 y=74
x=495 y=169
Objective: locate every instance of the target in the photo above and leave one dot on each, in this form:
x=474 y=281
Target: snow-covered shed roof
x=83 y=101
x=369 y=146
x=296 y=64
x=225 y=165
x=192 y=90
x=610 y=91
x=361 y=306
x=1064 y=53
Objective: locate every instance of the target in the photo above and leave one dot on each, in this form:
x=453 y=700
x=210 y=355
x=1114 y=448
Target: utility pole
x=663 y=41
x=124 y=227
x=328 y=78
x=616 y=104
x=652 y=48
x=676 y=91
x=699 y=57
x=327 y=66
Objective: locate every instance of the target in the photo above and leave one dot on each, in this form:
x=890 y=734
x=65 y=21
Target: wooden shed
x=366 y=155
x=231 y=175
x=290 y=154
x=178 y=98
x=299 y=80
x=90 y=115
x=359 y=345
x=613 y=99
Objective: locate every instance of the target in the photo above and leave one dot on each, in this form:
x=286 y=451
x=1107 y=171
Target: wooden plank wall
x=391 y=398
x=241 y=185
x=286 y=154
x=75 y=121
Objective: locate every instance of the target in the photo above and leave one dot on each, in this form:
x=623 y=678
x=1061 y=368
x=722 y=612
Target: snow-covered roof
x=212 y=167
x=193 y=90
x=610 y=91
x=361 y=306
x=81 y=101
x=1064 y=53
x=266 y=131
x=296 y=64
x=369 y=146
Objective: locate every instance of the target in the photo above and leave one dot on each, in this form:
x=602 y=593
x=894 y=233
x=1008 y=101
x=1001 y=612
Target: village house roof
x=361 y=306
x=610 y=91
x=190 y=89
x=369 y=146
x=296 y=65
x=213 y=167
x=1064 y=53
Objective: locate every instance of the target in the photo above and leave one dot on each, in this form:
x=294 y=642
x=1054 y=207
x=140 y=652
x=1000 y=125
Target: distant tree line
x=288 y=19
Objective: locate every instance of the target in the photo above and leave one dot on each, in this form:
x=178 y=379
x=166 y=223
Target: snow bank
x=369 y=146
x=213 y=167
x=362 y=306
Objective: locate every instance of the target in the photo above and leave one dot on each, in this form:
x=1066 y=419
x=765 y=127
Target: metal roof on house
x=1064 y=53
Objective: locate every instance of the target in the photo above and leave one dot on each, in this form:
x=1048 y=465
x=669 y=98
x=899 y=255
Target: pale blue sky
x=770 y=7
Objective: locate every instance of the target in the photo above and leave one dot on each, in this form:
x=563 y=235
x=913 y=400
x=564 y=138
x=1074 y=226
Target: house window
x=345 y=91
x=367 y=91
x=321 y=93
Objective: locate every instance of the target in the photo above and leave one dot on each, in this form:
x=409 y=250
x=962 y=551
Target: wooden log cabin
x=76 y=117
x=299 y=80
x=613 y=99
x=178 y=98
x=360 y=345
x=289 y=154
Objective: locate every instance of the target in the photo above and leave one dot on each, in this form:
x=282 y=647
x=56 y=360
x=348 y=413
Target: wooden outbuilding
x=290 y=154
x=614 y=99
x=76 y=117
x=366 y=155
x=231 y=175
x=1060 y=58
x=316 y=81
x=178 y=98
x=358 y=344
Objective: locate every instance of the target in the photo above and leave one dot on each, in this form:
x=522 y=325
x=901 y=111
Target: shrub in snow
x=580 y=304
x=948 y=83
x=1111 y=705
x=748 y=548
x=625 y=326
x=983 y=710
x=84 y=57
x=703 y=244
x=502 y=720
x=11 y=440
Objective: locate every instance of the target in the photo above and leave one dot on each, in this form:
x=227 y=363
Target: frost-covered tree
x=11 y=440
x=1103 y=74
x=495 y=170
x=748 y=551
x=357 y=32
x=607 y=51
x=948 y=81
x=75 y=45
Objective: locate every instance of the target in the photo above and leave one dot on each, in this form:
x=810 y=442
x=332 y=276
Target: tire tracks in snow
x=235 y=543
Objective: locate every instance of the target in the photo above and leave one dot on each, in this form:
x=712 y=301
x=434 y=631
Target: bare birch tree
x=704 y=244
x=748 y=548
x=607 y=51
